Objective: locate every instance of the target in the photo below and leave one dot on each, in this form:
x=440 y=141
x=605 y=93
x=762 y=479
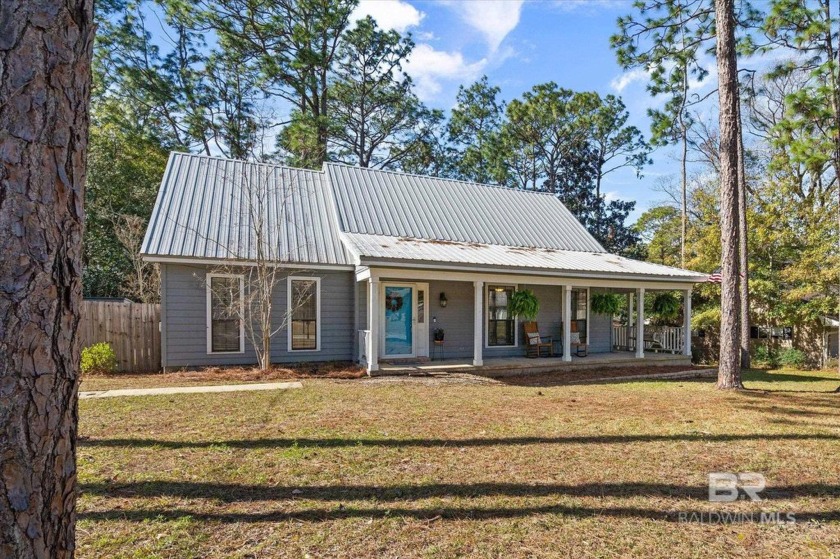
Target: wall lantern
x=443 y=300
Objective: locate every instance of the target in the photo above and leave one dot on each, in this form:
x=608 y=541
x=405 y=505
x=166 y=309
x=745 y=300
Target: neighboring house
x=393 y=257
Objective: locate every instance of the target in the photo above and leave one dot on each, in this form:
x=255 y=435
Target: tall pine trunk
x=45 y=57
x=729 y=372
x=743 y=248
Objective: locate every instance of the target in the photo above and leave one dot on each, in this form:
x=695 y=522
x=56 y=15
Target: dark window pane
x=500 y=325
x=226 y=301
x=304 y=321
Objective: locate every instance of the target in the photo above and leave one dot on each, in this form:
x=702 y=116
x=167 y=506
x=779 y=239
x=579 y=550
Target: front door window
x=399 y=319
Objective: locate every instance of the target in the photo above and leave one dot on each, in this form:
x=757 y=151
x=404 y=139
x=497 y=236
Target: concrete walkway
x=189 y=390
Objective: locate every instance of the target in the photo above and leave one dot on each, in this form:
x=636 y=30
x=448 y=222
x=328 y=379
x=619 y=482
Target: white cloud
x=494 y=20
x=389 y=14
x=611 y=195
x=696 y=85
x=589 y=6
x=428 y=67
x=620 y=83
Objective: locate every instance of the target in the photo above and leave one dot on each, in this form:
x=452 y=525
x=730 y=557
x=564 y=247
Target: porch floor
x=508 y=366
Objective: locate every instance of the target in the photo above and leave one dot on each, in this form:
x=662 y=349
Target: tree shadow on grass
x=454 y=443
x=341 y=512
x=239 y=493
x=757 y=375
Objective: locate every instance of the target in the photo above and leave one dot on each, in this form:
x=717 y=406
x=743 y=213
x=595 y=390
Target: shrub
x=765 y=357
x=793 y=358
x=99 y=359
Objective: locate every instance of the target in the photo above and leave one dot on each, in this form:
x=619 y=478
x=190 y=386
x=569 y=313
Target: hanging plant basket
x=665 y=306
x=606 y=303
x=524 y=304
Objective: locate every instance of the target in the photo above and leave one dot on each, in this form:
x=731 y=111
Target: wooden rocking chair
x=534 y=343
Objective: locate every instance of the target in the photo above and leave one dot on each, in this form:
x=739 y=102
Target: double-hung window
x=501 y=326
x=224 y=314
x=304 y=314
x=579 y=312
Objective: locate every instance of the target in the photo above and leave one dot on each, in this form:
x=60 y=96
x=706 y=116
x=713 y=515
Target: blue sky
x=519 y=44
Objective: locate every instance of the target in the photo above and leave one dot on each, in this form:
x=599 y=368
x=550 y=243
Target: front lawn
x=436 y=468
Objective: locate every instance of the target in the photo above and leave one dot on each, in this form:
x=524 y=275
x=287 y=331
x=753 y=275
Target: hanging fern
x=606 y=303
x=665 y=306
x=524 y=304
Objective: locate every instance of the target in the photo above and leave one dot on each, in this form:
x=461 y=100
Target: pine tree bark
x=743 y=249
x=45 y=57
x=729 y=371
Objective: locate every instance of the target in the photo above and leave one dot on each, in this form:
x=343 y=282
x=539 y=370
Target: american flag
x=716 y=277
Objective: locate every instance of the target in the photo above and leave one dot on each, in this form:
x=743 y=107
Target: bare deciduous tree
x=260 y=213
x=45 y=59
x=144 y=282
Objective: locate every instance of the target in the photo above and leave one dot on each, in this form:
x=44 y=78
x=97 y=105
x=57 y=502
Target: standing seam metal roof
x=202 y=211
x=376 y=202
x=348 y=215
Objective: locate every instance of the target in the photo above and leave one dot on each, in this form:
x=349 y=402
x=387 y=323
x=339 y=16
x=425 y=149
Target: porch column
x=629 y=318
x=478 y=323
x=373 y=325
x=567 y=322
x=687 y=322
x=640 y=322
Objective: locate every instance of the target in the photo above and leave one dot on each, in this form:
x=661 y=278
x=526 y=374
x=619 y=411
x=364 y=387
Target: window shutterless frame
x=515 y=320
x=289 y=309
x=209 y=281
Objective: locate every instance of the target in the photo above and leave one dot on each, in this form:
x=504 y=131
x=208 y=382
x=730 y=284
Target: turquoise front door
x=399 y=321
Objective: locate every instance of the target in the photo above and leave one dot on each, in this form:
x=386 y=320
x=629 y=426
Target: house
x=390 y=258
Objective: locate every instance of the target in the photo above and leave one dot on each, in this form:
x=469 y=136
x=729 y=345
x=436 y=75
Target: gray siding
x=184 y=316
x=362 y=288
x=456 y=319
x=551 y=324
x=600 y=331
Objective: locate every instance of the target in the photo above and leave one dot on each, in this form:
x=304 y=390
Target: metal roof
x=387 y=249
x=212 y=208
x=402 y=205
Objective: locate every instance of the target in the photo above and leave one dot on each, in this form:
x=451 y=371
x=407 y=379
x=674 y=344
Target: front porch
x=400 y=313
x=511 y=366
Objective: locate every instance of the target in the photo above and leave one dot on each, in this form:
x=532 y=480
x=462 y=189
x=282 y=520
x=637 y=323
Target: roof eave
x=513 y=270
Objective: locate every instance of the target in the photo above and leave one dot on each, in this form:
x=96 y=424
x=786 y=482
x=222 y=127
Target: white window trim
x=317 y=281
x=208 y=281
x=487 y=316
x=588 y=305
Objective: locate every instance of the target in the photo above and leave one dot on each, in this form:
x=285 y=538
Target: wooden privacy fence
x=132 y=329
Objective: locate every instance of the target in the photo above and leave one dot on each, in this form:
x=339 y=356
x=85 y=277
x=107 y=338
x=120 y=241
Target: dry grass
x=431 y=469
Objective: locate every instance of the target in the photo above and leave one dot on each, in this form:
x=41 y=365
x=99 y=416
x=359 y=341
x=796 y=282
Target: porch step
x=513 y=366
